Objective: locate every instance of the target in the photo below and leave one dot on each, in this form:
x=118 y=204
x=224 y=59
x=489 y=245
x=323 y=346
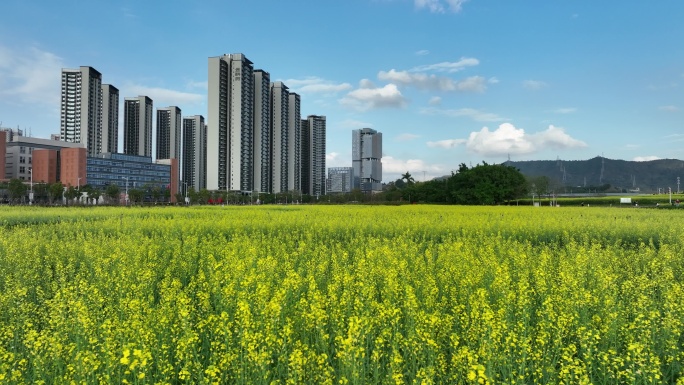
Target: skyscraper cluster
x=256 y=138
x=90 y=115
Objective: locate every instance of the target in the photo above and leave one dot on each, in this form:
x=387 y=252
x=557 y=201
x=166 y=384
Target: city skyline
x=446 y=82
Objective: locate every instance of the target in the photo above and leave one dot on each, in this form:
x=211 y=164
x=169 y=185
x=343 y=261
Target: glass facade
x=139 y=171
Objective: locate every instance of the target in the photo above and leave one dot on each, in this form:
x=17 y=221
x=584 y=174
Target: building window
x=22 y=169
x=22 y=159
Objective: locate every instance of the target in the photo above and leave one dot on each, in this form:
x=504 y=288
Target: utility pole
x=677 y=185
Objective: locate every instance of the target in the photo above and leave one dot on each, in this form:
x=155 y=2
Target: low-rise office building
x=132 y=171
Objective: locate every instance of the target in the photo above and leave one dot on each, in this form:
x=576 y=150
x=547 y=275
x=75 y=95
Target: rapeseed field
x=341 y=295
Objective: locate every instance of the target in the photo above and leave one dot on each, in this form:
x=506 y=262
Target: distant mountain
x=622 y=175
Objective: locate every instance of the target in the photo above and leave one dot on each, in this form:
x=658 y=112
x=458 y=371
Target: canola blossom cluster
x=341 y=295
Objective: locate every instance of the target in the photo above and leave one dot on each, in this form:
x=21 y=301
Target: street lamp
x=31 y=194
x=124 y=177
x=79 y=184
x=186 y=192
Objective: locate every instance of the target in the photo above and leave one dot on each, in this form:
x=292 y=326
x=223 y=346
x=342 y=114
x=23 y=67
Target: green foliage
x=17 y=190
x=113 y=192
x=486 y=184
x=55 y=191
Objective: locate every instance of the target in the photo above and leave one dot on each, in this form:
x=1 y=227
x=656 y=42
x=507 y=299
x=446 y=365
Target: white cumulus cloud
x=507 y=139
x=392 y=168
x=433 y=82
x=368 y=97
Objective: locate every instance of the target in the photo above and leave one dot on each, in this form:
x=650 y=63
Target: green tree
x=113 y=193
x=180 y=198
x=203 y=196
x=156 y=193
x=17 y=190
x=136 y=195
x=55 y=191
x=71 y=194
x=407 y=178
x=486 y=184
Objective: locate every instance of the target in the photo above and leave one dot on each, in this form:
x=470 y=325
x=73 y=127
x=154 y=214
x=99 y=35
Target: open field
x=341 y=294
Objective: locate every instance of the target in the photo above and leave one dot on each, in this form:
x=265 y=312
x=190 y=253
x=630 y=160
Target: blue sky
x=445 y=81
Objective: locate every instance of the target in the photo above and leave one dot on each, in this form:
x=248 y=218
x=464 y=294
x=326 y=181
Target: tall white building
x=81 y=108
x=138 y=126
x=262 y=131
x=313 y=155
x=230 y=139
x=169 y=125
x=279 y=137
x=194 y=152
x=367 y=159
x=110 y=118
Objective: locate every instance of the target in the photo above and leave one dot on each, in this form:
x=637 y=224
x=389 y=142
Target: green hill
x=621 y=175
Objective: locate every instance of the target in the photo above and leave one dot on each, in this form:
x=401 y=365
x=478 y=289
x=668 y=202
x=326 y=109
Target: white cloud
x=646 y=158
x=164 y=96
x=406 y=137
x=30 y=75
x=475 y=114
x=435 y=101
x=565 y=110
x=493 y=80
x=422 y=52
x=332 y=156
x=669 y=108
x=534 y=85
x=392 y=168
x=472 y=84
x=510 y=140
x=449 y=67
x=354 y=124
x=191 y=84
x=369 y=97
x=433 y=82
x=439 y=6
x=447 y=143
x=632 y=146
x=316 y=85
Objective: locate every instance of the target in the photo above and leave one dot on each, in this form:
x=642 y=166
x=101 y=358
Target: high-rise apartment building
x=279 y=137
x=313 y=155
x=367 y=159
x=110 y=118
x=262 y=131
x=294 y=145
x=194 y=152
x=230 y=139
x=138 y=126
x=81 y=108
x=169 y=127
